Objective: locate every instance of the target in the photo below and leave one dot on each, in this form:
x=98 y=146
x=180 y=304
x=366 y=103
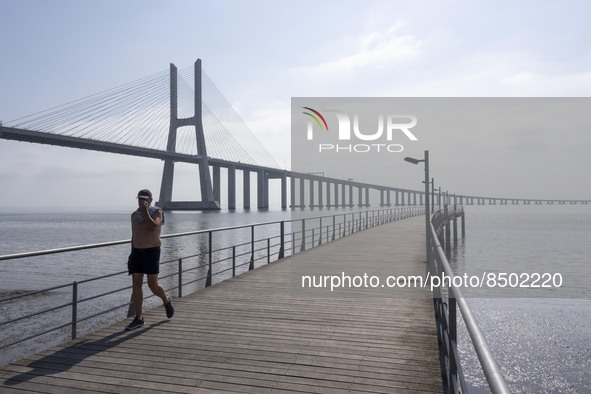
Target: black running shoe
x=136 y=323
x=169 y=308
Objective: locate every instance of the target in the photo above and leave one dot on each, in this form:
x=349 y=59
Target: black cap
x=144 y=194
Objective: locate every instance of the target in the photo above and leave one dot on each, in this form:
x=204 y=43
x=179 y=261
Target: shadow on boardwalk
x=69 y=356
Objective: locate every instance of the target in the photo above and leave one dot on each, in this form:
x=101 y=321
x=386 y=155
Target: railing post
x=251 y=265
x=282 y=241
x=210 y=256
x=455 y=224
x=233 y=261
x=453 y=367
x=74 y=308
x=345 y=225
x=180 y=278
x=320 y=238
x=334 y=226
x=303 y=247
x=463 y=226
x=268 y=250
x=447 y=241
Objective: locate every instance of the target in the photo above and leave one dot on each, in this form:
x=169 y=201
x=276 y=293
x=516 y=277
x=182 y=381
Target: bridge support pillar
x=262 y=190
x=216 y=183
x=336 y=195
x=463 y=226
x=350 y=195
x=302 y=185
x=232 y=187
x=292 y=201
x=283 y=191
x=311 y=182
x=246 y=189
x=167 y=180
x=360 y=196
x=208 y=201
x=320 y=194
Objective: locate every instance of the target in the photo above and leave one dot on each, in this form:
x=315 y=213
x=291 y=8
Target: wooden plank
x=260 y=333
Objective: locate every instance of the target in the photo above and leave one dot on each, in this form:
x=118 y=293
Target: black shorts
x=144 y=261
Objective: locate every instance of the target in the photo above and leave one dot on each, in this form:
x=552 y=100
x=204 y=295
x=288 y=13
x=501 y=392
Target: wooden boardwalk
x=260 y=333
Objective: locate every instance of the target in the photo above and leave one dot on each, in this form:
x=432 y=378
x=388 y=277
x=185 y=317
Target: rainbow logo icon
x=316 y=118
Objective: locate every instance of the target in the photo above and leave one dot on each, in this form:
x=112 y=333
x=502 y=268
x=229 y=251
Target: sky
x=260 y=54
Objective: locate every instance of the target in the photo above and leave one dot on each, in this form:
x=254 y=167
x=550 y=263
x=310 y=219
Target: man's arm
x=154 y=220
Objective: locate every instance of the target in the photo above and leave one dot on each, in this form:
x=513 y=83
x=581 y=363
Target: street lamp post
x=432 y=194
x=427 y=211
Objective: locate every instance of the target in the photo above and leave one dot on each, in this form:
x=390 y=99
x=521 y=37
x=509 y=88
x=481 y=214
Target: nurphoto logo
x=389 y=126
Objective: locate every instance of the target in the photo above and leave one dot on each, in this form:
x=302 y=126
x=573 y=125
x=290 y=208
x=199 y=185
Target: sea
x=541 y=343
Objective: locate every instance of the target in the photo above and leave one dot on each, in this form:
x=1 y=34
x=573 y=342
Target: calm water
x=22 y=232
x=542 y=344
x=28 y=232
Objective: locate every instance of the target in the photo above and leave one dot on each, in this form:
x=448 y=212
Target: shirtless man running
x=146 y=223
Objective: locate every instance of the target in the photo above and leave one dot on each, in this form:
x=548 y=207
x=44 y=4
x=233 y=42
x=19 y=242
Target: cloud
x=488 y=73
x=519 y=79
x=560 y=84
x=377 y=49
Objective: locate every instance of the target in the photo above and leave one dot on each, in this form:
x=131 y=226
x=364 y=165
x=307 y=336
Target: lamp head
x=413 y=161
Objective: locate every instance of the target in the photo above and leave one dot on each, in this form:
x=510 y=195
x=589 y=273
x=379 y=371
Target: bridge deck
x=258 y=333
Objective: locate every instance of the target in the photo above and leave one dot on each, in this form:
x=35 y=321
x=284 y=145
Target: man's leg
x=157 y=290
x=137 y=292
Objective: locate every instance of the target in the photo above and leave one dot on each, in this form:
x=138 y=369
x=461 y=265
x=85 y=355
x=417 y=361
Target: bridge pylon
x=207 y=196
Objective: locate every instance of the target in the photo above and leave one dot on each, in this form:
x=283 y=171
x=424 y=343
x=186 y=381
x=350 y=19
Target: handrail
x=242 y=254
x=164 y=236
x=491 y=369
x=62 y=250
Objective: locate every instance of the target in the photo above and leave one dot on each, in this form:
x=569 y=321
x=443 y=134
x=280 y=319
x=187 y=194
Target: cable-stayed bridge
x=163 y=117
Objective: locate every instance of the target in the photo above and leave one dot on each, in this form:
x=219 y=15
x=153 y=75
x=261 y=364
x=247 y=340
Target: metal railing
x=446 y=312
x=220 y=263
